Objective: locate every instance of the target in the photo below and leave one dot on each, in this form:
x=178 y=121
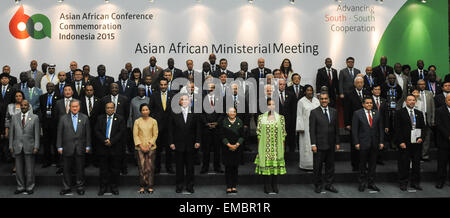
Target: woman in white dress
x=304 y=107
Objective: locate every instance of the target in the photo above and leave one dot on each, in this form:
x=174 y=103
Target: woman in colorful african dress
x=271 y=134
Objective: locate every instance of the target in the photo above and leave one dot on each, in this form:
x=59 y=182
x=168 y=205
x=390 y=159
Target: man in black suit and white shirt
x=327 y=76
x=367 y=133
x=48 y=120
x=324 y=134
x=381 y=71
x=91 y=106
x=223 y=69
x=184 y=137
x=102 y=82
x=418 y=73
x=212 y=63
x=443 y=142
x=261 y=71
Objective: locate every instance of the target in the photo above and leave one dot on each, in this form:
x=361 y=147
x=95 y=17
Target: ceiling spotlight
x=380 y=1
x=339 y=1
x=106 y=1
x=151 y=1
x=250 y=1
x=60 y=1
x=424 y=1
x=292 y=1
x=17 y=1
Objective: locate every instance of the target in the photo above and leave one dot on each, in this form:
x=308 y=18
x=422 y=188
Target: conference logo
x=23 y=26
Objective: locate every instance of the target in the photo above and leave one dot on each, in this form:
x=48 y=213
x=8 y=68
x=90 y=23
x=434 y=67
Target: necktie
x=78 y=88
x=296 y=90
x=211 y=101
x=261 y=74
x=61 y=86
x=282 y=98
x=146 y=91
x=67 y=106
x=153 y=71
x=102 y=80
x=108 y=125
x=421 y=74
x=90 y=106
x=184 y=115
x=384 y=70
x=49 y=101
x=326 y=114
x=351 y=73
x=378 y=104
x=360 y=96
x=164 y=101
x=330 y=80
x=31 y=93
x=3 y=91
x=74 y=122
x=123 y=85
x=370 y=118
x=235 y=102
x=411 y=117
x=23 y=121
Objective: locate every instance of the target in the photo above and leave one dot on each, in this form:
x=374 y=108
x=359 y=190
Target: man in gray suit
x=428 y=109
x=24 y=133
x=346 y=77
x=35 y=74
x=73 y=142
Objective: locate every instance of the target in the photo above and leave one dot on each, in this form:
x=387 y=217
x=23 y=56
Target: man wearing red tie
x=367 y=133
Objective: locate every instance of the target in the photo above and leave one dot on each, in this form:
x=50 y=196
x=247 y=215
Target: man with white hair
x=353 y=102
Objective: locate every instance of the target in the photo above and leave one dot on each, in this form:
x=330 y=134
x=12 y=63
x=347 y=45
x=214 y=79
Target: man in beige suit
x=35 y=74
x=428 y=109
x=153 y=70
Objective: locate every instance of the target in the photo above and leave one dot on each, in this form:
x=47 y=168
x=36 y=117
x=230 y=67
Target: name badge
x=393 y=104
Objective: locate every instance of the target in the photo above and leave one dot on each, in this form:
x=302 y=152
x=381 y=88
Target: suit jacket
x=352 y=103
x=96 y=108
x=289 y=107
x=73 y=142
x=430 y=114
x=403 y=135
x=323 y=80
x=323 y=133
x=380 y=75
x=213 y=69
x=300 y=94
x=60 y=92
x=74 y=89
x=38 y=78
x=364 y=134
x=439 y=100
x=34 y=100
x=214 y=116
x=184 y=135
x=369 y=84
x=386 y=93
x=383 y=110
x=130 y=91
x=157 y=111
x=415 y=76
x=219 y=71
x=155 y=75
x=122 y=107
x=69 y=76
x=51 y=120
x=175 y=73
x=12 y=80
x=255 y=73
x=116 y=136
x=9 y=94
x=26 y=138
x=442 y=127
x=346 y=80
x=59 y=109
x=100 y=90
x=437 y=88
x=185 y=73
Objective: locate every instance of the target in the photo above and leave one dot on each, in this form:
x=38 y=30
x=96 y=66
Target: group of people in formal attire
x=80 y=119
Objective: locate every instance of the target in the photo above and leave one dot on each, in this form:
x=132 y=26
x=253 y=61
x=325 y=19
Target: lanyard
x=390 y=92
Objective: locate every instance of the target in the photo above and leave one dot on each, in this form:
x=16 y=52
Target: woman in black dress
x=232 y=138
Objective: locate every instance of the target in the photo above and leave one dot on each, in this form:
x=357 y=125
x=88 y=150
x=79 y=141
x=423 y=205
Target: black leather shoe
x=318 y=189
x=403 y=187
x=59 y=171
x=80 y=191
x=331 y=188
x=190 y=190
x=170 y=171
x=30 y=192
x=16 y=192
x=440 y=185
x=66 y=192
x=102 y=191
x=373 y=187
x=416 y=187
x=124 y=172
x=115 y=191
x=361 y=187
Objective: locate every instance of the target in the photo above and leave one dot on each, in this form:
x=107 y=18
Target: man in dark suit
x=381 y=71
x=223 y=69
x=110 y=132
x=59 y=87
x=261 y=71
x=443 y=142
x=206 y=71
x=353 y=102
x=380 y=105
x=73 y=142
x=102 y=82
x=69 y=75
x=210 y=120
x=160 y=108
x=244 y=69
x=126 y=86
x=149 y=88
x=48 y=119
x=324 y=134
x=327 y=76
x=369 y=80
x=190 y=69
x=212 y=63
x=367 y=133
x=433 y=85
x=12 y=79
x=184 y=137
x=78 y=84
x=439 y=100
x=7 y=91
x=410 y=138
x=153 y=70
x=91 y=106
x=285 y=108
x=418 y=73
x=171 y=67
x=122 y=107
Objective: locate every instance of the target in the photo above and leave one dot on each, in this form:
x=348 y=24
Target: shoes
x=80 y=191
x=190 y=190
x=373 y=187
x=403 y=187
x=229 y=191
x=150 y=192
x=361 y=187
x=234 y=191
x=30 y=192
x=102 y=191
x=318 y=189
x=59 y=171
x=115 y=191
x=124 y=172
x=331 y=188
x=16 y=192
x=66 y=192
x=416 y=187
x=440 y=185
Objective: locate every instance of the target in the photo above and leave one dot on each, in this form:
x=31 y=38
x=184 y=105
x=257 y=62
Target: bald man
x=261 y=71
